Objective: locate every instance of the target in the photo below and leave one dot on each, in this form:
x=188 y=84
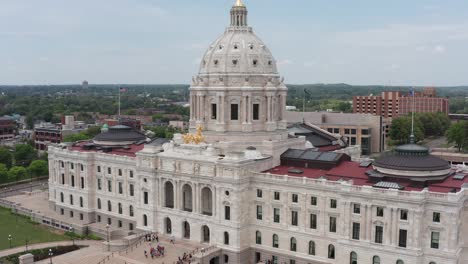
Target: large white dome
x=238 y=51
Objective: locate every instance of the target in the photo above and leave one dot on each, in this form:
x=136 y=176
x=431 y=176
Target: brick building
x=391 y=104
x=7 y=128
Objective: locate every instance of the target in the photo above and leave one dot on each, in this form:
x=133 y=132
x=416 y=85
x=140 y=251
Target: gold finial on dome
x=239 y=3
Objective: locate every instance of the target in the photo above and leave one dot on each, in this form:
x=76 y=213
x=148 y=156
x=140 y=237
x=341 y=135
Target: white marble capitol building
x=256 y=191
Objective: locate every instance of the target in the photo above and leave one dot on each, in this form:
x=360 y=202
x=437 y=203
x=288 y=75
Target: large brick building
x=391 y=104
x=7 y=128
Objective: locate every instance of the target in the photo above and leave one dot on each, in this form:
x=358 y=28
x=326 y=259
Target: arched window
x=145 y=220
x=353 y=258
x=376 y=260
x=120 y=208
x=168 y=224
x=187 y=198
x=73 y=181
x=98 y=203
x=207 y=201
x=81 y=201
x=293 y=244
x=61 y=197
x=432 y=262
x=401 y=262
x=311 y=247
x=206 y=234
x=130 y=209
x=331 y=251
x=169 y=191
x=109 y=206
x=275 y=241
x=226 y=238
x=258 y=238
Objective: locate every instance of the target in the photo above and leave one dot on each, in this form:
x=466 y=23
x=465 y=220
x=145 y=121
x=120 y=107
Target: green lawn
x=21 y=228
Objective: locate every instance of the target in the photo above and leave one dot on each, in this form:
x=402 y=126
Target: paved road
x=17 y=189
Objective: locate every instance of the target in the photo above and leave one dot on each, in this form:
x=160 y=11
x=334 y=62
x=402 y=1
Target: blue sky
x=391 y=42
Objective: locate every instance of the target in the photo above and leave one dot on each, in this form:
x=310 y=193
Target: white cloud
x=439 y=49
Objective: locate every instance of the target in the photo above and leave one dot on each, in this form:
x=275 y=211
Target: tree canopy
x=6 y=157
x=24 y=154
x=38 y=168
x=458 y=134
x=400 y=130
x=17 y=173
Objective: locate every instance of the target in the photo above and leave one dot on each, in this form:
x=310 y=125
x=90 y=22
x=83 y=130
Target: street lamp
x=72 y=235
x=50 y=255
x=9 y=239
x=27 y=244
x=108 y=245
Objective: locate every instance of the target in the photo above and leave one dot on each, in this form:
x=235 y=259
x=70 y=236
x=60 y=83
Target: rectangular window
x=313 y=221
x=379 y=234
x=132 y=190
x=63 y=178
x=332 y=227
x=99 y=184
x=259 y=193
x=109 y=221
x=274 y=259
x=214 y=113
x=336 y=130
x=295 y=198
x=73 y=181
x=403 y=214
x=82 y=167
x=435 y=239
x=109 y=171
x=313 y=200
x=256 y=112
x=294 y=218
x=72 y=166
x=109 y=186
x=99 y=218
x=259 y=212
x=81 y=217
x=131 y=174
x=380 y=211
x=353 y=131
x=234 y=112
x=365 y=131
x=62 y=211
x=333 y=203
x=258 y=257
x=277 y=196
x=436 y=217
x=82 y=182
x=120 y=172
x=276 y=215
x=130 y=226
x=98 y=168
x=62 y=164
x=120 y=223
x=357 y=208
x=402 y=238
x=353 y=141
x=346 y=131
x=356 y=230
x=71 y=214
x=292 y=261
x=145 y=197
x=227 y=212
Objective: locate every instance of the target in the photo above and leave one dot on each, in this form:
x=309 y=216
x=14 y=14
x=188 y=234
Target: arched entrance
x=186 y=230
x=168 y=225
x=187 y=198
x=205 y=234
x=214 y=260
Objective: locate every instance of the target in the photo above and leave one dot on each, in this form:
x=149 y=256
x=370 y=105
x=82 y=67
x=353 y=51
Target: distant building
x=84 y=85
x=179 y=124
x=365 y=130
x=133 y=123
x=8 y=128
x=391 y=104
x=47 y=133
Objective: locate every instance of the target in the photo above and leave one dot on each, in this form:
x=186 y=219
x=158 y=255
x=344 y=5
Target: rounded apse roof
x=119 y=134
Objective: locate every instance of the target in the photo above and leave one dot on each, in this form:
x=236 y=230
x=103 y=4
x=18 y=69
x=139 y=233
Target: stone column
x=369 y=222
x=268 y=108
x=223 y=108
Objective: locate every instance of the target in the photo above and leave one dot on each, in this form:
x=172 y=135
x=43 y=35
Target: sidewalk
x=7 y=252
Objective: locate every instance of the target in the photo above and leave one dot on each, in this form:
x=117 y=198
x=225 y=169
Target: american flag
x=411 y=93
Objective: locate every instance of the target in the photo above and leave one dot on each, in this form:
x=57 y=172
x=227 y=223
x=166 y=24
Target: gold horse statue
x=196 y=138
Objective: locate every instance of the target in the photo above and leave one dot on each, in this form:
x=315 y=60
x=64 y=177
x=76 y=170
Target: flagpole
x=412 y=140
x=303 y=107
x=119 y=103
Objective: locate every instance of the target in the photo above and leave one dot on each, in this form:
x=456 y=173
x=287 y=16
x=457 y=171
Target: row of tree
x=35 y=169
x=20 y=162
x=89 y=133
x=425 y=125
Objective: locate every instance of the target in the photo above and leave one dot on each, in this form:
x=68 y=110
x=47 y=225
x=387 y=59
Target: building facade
x=8 y=128
x=254 y=191
x=391 y=104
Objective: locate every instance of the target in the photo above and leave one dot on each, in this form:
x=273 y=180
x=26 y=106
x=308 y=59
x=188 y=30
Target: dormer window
x=251 y=46
x=255 y=62
x=235 y=46
x=270 y=62
x=220 y=47
x=215 y=62
x=234 y=62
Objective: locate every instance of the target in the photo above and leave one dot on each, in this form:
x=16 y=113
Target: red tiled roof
x=130 y=152
x=349 y=170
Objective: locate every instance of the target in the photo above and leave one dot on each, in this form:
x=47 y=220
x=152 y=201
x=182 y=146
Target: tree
x=6 y=157
x=24 y=154
x=38 y=168
x=17 y=173
x=93 y=131
x=434 y=124
x=76 y=137
x=3 y=173
x=458 y=134
x=400 y=129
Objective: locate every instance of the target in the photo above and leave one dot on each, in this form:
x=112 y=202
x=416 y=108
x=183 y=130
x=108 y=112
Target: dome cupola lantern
x=239 y=15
